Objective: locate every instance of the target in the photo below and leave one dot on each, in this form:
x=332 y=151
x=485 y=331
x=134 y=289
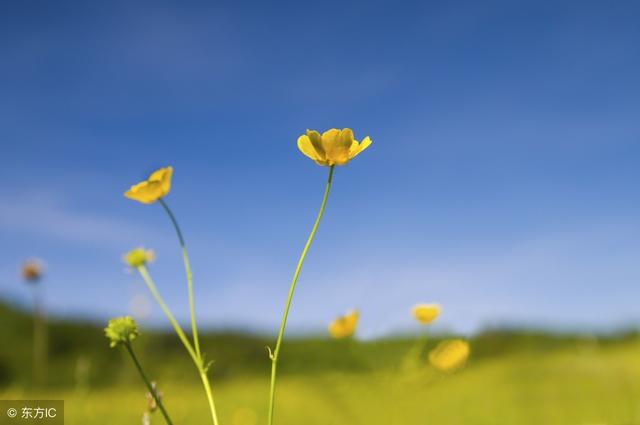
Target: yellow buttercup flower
x=426 y=313
x=139 y=257
x=344 y=326
x=333 y=147
x=449 y=355
x=155 y=187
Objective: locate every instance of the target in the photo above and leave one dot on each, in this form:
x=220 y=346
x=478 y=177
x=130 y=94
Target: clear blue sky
x=503 y=181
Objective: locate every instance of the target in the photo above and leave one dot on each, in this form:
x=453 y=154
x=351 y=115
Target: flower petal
x=329 y=138
x=306 y=147
x=159 y=174
x=165 y=180
x=316 y=141
x=346 y=136
x=336 y=144
x=356 y=148
x=449 y=355
x=344 y=326
x=156 y=186
x=145 y=192
x=426 y=313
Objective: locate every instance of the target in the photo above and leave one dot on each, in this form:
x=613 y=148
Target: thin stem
x=39 y=338
x=407 y=371
x=187 y=269
x=207 y=389
x=185 y=341
x=176 y=326
x=412 y=359
x=276 y=353
x=152 y=390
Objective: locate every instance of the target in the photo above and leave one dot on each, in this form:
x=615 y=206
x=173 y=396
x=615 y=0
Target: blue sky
x=502 y=182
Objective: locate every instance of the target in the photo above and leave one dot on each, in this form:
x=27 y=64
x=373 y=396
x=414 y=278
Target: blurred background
x=501 y=183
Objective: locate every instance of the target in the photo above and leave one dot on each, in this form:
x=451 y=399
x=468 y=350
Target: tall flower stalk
x=333 y=147
x=424 y=314
x=276 y=352
x=187 y=269
x=32 y=272
x=121 y=331
x=197 y=358
x=154 y=189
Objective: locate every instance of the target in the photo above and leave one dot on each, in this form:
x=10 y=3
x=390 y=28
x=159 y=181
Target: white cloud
x=583 y=276
x=45 y=214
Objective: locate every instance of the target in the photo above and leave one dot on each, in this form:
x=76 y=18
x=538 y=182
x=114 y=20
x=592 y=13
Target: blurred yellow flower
x=31 y=271
x=155 y=187
x=139 y=257
x=449 y=355
x=344 y=326
x=426 y=313
x=333 y=147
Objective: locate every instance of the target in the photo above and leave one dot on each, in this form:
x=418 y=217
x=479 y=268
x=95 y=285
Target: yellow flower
x=139 y=257
x=344 y=326
x=426 y=313
x=121 y=330
x=32 y=271
x=333 y=147
x=449 y=355
x=155 y=187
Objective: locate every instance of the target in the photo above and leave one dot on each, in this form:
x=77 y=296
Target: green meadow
x=513 y=377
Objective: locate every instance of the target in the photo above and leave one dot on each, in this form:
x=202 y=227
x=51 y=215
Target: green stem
x=413 y=358
x=39 y=339
x=176 y=326
x=187 y=269
x=276 y=353
x=152 y=390
x=207 y=389
x=185 y=341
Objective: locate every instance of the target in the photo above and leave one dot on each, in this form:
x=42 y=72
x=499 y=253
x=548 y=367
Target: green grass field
x=580 y=383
